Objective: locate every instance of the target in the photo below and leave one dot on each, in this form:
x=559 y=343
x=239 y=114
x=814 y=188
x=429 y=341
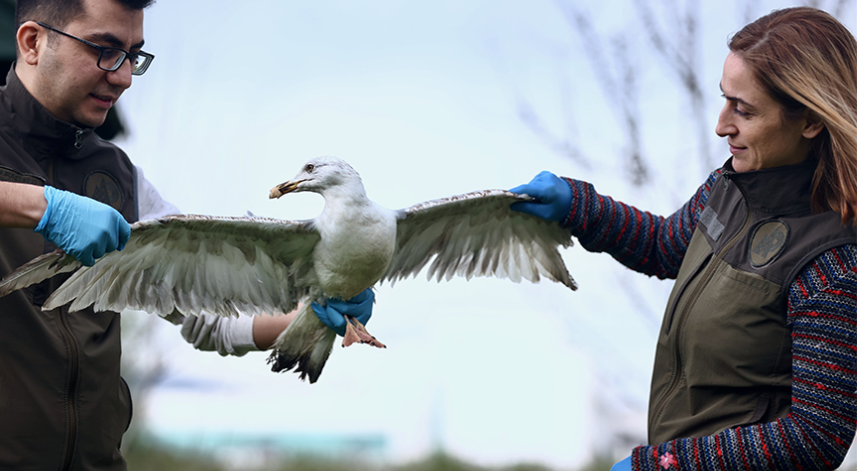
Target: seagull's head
x=318 y=175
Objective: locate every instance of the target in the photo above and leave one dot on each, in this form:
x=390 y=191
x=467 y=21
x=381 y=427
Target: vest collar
x=779 y=190
x=36 y=125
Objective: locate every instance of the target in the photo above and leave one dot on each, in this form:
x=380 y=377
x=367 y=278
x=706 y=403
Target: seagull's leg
x=356 y=333
x=351 y=336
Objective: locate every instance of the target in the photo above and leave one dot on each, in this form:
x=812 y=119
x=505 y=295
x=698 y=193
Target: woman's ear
x=813 y=125
x=30 y=40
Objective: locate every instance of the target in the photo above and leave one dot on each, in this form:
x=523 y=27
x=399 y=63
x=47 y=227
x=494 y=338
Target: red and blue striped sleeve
x=650 y=244
x=819 y=429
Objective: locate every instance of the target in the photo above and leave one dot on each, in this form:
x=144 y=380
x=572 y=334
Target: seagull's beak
x=284 y=188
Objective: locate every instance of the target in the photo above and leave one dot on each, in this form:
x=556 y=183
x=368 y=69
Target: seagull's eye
x=309 y=168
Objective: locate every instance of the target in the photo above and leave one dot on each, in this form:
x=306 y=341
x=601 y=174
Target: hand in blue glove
x=552 y=194
x=332 y=315
x=82 y=227
x=624 y=465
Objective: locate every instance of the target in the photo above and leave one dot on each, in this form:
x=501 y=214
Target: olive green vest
x=723 y=357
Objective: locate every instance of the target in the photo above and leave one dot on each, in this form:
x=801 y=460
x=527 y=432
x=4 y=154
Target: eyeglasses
x=111 y=58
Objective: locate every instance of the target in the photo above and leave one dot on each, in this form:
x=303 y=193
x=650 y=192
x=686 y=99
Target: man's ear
x=31 y=39
x=813 y=126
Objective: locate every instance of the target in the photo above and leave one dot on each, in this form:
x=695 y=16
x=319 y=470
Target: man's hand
x=552 y=194
x=332 y=315
x=82 y=227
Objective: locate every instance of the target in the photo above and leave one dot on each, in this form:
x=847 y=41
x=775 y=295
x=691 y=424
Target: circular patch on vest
x=768 y=241
x=102 y=187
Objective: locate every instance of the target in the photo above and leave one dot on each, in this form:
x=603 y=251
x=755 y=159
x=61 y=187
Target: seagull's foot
x=356 y=333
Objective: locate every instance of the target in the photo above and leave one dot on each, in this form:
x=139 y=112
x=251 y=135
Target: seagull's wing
x=476 y=234
x=191 y=264
x=37 y=270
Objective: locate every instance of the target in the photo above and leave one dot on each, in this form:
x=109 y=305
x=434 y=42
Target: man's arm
x=266 y=329
x=80 y=226
x=21 y=205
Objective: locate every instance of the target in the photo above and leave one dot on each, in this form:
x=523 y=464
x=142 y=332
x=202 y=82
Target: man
x=63 y=404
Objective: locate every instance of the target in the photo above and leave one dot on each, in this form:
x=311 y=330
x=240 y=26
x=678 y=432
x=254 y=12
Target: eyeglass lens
x=112 y=59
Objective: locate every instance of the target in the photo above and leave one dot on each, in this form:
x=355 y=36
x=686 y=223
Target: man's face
x=71 y=86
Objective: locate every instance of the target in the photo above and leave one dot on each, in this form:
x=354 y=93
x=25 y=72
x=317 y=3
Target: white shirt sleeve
x=150 y=204
x=224 y=335
x=208 y=332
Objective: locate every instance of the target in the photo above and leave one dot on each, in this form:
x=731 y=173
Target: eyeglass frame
x=127 y=55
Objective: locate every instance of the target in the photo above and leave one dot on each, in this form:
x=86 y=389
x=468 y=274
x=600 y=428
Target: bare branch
x=637 y=168
x=560 y=146
x=682 y=58
x=582 y=24
x=838 y=8
x=619 y=87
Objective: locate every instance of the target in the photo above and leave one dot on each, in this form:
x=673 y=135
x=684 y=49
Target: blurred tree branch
x=618 y=82
x=682 y=58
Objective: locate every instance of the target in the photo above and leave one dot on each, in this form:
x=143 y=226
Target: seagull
x=254 y=266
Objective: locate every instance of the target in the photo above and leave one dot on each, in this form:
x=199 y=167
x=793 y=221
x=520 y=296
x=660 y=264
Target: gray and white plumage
x=226 y=266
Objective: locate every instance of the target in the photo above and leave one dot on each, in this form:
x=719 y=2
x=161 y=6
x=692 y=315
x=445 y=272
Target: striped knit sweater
x=822 y=313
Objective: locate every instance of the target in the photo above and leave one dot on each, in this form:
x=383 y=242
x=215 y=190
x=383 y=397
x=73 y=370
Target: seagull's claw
x=356 y=333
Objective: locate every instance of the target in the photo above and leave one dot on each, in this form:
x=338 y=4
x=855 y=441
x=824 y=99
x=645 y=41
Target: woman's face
x=753 y=123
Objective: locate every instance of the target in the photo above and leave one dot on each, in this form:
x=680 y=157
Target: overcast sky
x=421 y=98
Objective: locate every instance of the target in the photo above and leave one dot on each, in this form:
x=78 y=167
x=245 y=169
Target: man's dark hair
x=59 y=13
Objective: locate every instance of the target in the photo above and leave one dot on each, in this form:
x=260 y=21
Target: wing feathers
x=476 y=234
x=191 y=264
x=257 y=265
x=37 y=270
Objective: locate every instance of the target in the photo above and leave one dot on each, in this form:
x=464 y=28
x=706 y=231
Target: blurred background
x=427 y=100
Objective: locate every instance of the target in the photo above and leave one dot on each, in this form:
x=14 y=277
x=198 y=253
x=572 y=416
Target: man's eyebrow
x=736 y=99
x=110 y=39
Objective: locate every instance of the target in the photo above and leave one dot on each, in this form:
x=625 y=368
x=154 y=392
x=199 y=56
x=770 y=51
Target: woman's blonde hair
x=807 y=61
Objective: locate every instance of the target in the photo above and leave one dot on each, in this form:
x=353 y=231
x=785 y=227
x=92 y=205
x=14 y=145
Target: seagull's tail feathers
x=305 y=346
x=37 y=270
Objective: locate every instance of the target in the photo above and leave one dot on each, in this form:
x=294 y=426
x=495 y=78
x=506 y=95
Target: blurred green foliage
x=154 y=458
x=146 y=457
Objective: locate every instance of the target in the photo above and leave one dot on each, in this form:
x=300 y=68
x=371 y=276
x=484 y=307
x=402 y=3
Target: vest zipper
x=706 y=276
x=74 y=368
x=78 y=139
x=74 y=360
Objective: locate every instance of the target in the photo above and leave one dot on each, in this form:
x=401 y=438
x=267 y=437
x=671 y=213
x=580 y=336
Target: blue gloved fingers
x=537 y=209
x=85 y=258
x=538 y=185
x=359 y=306
x=552 y=197
x=521 y=189
x=330 y=317
x=124 y=230
x=365 y=295
x=624 y=465
x=82 y=227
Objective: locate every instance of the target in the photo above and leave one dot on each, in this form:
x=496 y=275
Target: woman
x=756 y=362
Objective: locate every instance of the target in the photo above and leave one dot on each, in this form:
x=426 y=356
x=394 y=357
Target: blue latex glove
x=82 y=227
x=359 y=306
x=624 y=465
x=552 y=194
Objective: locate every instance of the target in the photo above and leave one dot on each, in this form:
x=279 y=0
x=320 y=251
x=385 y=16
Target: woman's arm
x=646 y=243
